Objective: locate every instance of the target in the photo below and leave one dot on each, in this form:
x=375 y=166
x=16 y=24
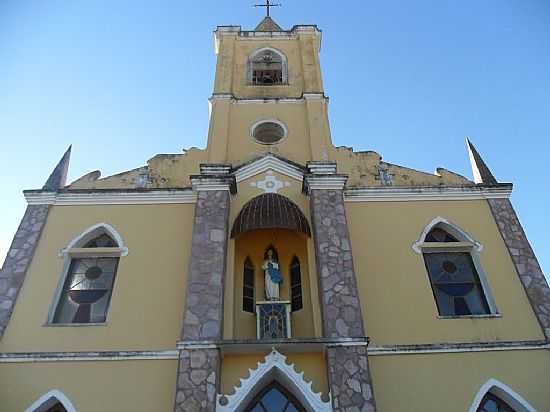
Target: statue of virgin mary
x=273 y=277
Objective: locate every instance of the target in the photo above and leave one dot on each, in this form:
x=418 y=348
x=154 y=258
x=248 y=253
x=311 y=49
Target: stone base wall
x=198 y=380
x=19 y=259
x=525 y=261
x=340 y=305
x=349 y=379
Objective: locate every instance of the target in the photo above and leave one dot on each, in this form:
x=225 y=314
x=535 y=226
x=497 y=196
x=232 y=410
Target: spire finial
x=268 y=5
x=482 y=173
x=58 y=178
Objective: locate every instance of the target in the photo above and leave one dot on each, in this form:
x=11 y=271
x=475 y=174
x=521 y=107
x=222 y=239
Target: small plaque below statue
x=273 y=320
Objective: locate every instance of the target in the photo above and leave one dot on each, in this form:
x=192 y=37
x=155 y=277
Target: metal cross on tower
x=267 y=5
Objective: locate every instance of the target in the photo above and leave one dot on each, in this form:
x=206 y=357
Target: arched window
x=53 y=401
x=295 y=285
x=492 y=403
x=248 y=286
x=458 y=284
x=275 y=398
x=91 y=265
x=494 y=396
x=267 y=67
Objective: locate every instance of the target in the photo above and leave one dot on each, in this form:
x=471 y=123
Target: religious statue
x=273 y=277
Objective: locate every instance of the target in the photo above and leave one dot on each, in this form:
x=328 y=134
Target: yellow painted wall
x=449 y=382
x=396 y=296
x=144 y=386
x=235 y=367
x=149 y=289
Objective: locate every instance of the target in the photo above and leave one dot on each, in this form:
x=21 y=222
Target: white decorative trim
x=90 y=233
x=263 y=100
x=505 y=393
x=268 y=162
x=450 y=227
x=48 y=400
x=268 y=120
x=328 y=182
x=394 y=194
x=270 y=183
x=274 y=367
x=386 y=350
x=38 y=357
x=110 y=198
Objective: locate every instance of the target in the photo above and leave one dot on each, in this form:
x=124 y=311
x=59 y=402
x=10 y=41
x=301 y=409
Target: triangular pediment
x=268 y=24
x=270 y=162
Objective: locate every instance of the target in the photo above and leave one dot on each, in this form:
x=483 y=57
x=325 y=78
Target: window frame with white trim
x=467 y=251
x=82 y=255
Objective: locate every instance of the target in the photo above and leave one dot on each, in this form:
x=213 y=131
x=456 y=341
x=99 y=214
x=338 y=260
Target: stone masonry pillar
x=525 y=261
x=199 y=359
x=18 y=260
x=348 y=367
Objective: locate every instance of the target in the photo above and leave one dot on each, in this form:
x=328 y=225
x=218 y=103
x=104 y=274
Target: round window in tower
x=268 y=132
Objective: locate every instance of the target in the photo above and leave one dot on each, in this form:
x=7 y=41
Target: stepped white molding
x=420 y=193
x=111 y=198
x=274 y=367
x=268 y=162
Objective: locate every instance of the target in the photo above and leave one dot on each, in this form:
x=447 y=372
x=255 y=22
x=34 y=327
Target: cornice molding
x=401 y=194
x=267 y=100
x=324 y=182
x=123 y=197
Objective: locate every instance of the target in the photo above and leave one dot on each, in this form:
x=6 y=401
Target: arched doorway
x=275 y=398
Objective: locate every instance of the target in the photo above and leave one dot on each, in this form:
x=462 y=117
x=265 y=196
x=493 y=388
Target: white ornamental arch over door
x=273 y=368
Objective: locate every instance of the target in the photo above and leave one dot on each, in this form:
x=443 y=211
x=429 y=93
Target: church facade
x=273 y=271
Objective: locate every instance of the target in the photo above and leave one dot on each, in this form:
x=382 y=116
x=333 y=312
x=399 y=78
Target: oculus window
x=268 y=132
x=88 y=284
x=453 y=276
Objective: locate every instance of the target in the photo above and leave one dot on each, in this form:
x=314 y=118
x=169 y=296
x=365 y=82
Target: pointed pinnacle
x=58 y=178
x=482 y=173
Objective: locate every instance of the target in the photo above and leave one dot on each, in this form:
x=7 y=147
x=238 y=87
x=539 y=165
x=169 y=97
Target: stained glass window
x=275 y=398
x=88 y=286
x=273 y=321
x=455 y=281
x=248 y=286
x=295 y=285
x=57 y=408
x=491 y=403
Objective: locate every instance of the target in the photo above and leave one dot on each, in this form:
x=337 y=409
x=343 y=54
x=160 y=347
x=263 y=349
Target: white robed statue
x=273 y=277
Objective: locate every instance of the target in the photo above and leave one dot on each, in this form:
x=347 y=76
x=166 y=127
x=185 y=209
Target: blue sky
x=124 y=80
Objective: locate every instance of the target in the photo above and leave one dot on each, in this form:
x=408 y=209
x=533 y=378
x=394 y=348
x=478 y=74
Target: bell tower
x=268 y=95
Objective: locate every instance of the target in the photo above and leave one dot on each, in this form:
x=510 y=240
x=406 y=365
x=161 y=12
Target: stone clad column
x=199 y=359
x=525 y=261
x=348 y=368
x=26 y=238
x=18 y=260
